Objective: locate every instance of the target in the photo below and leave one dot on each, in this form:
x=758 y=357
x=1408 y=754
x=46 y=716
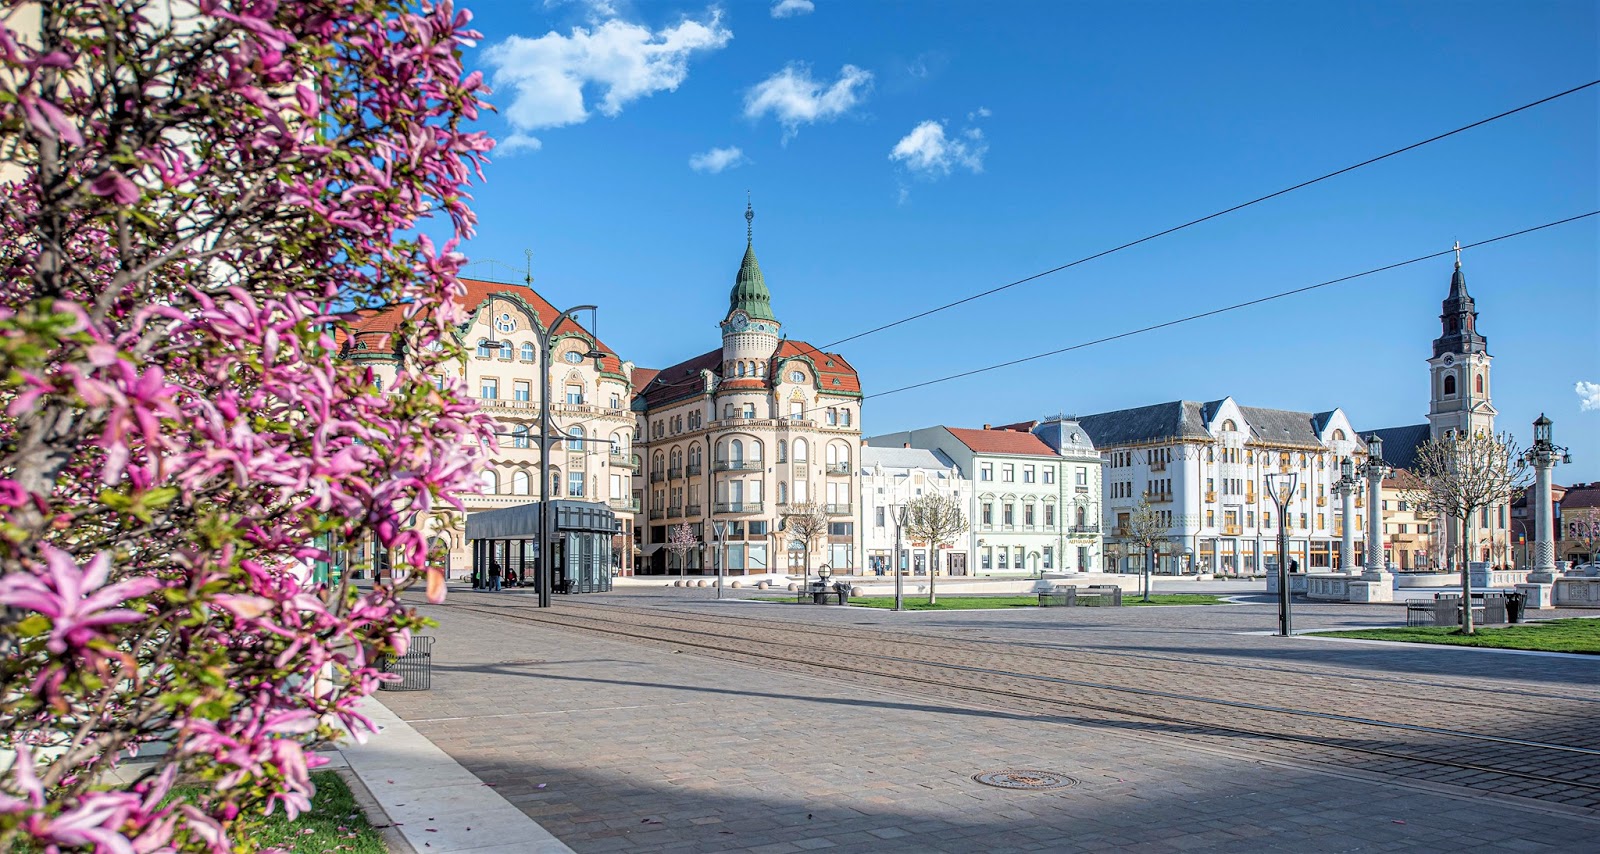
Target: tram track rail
x=1550 y=772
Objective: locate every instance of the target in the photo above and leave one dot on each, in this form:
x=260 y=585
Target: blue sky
x=905 y=154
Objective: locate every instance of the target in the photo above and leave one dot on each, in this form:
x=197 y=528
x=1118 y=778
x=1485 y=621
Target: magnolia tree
x=196 y=190
x=680 y=541
x=1460 y=476
x=936 y=520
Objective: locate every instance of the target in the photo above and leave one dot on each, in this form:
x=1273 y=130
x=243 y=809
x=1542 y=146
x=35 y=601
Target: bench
x=1094 y=596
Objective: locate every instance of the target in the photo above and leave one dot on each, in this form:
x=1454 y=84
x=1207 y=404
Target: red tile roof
x=835 y=374
x=680 y=381
x=1002 y=442
x=1581 y=495
x=374 y=325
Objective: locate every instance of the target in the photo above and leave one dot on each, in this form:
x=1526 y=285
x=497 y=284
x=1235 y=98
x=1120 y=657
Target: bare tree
x=1460 y=476
x=805 y=523
x=680 y=541
x=936 y=520
x=1146 y=529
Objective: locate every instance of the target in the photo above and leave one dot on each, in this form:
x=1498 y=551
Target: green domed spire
x=750 y=294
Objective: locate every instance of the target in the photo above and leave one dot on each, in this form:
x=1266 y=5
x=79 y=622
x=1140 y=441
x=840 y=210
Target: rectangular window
x=575 y=484
x=521 y=390
x=797 y=410
x=1027 y=515
x=1008 y=473
x=878 y=516
x=1008 y=514
x=1049 y=557
x=1302 y=520
x=841 y=529
x=1027 y=474
x=1049 y=474
x=986 y=471
x=988 y=513
x=749 y=411
x=1211 y=518
x=1082 y=476
x=1005 y=558
x=1049 y=515
x=833 y=417
x=1020 y=563
x=574 y=394
x=1266 y=520
x=987 y=558
x=616 y=401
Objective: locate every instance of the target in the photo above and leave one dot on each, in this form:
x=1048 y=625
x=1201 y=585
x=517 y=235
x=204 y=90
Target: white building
x=1203 y=466
x=890 y=479
x=1035 y=494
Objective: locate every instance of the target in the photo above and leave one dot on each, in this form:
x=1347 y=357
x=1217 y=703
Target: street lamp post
x=1544 y=455
x=899 y=574
x=1374 y=470
x=1347 y=534
x=1281 y=497
x=719 y=532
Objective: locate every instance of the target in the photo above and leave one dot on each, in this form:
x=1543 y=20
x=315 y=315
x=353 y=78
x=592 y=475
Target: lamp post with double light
x=1347 y=532
x=1374 y=470
x=1281 y=488
x=899 y=513
x=719 y=532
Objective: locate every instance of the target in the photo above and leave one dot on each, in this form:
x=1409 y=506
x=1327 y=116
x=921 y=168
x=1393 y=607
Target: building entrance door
x=956 y=563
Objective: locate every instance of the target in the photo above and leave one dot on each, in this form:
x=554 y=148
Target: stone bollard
x=793 y=587
x=702 y=583
x=735 y=584
x=857 y=591
x=762 y=585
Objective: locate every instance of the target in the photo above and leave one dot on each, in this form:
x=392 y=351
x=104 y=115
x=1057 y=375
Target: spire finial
x=749 y=220
x=528 y=276
x=1458 y=254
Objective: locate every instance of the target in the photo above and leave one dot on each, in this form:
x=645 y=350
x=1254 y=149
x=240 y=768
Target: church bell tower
x=1459 y=370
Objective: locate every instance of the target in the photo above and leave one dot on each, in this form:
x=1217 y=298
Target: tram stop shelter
x=581 y=533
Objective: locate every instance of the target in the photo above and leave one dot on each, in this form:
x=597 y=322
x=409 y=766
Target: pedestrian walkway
x=435 y=804
x=613 y=746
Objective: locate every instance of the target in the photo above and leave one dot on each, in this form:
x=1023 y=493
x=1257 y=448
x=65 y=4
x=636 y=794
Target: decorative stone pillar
x=1347 y=536
x=1376 y=584
x=1545 y=453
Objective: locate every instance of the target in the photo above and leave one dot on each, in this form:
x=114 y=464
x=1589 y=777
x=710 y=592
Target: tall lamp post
x=719 y=531
x=899 y=571
x=1281 y=497
x=1374 y=470
x=1544 y=455
x=547 y=441
x=1347 y=533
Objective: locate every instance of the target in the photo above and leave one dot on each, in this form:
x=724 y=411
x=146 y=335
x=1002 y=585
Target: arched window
x=491 y=482
x=505 y=349
x=694 y=454
x=555 y=481
x=527 y=352
x=833 y=454
x=741 y=369
x=677 y=458
x=1082 y=517
x=735 y=451
x=519 y=483
x=576 y=442
x=485 y=349
x=783 y=493
x=1229 y=426
x=1480 y=384
x=783 y=450
x=519 y=436
x=1449 y=384
x=755 y=451
x=1338 y=435
x=800 y=450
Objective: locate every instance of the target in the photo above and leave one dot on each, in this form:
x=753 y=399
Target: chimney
x=905 y=444
x=987 y=427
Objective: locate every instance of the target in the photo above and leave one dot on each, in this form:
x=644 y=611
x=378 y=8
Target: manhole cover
x=1025 y=779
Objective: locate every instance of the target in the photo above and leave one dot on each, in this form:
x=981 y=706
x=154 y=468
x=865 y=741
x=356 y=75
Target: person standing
x=494 y=578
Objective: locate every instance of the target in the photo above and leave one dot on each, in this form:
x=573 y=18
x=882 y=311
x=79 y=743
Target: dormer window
x=505 y=323
x=797 y=377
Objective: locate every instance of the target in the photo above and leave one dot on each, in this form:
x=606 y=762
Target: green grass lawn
x=1570 y=635
x=335 y=822
x=919 y=602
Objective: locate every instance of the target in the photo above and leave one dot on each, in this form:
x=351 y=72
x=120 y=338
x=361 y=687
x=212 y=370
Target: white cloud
x=617 y=60
x=717 y=159
x=926 y=150
x=980 y=113
x=1588 y=396
x=791 y=8
x=796 y=99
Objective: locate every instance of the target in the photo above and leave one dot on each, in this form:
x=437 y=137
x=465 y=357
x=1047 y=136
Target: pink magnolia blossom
x=76 y=600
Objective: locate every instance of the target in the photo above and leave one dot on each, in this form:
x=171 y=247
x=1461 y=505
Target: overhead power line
x=1224 y=309
x=1208 y=217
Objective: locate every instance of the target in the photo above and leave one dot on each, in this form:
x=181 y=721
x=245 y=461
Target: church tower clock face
x=739 y=322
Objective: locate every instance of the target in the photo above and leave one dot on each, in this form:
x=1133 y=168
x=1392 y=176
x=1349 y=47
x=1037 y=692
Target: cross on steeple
x=1458 y=254
x=749 y=220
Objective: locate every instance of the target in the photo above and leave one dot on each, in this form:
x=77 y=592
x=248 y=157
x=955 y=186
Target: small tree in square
x=1458 y=477
x=936 y=520
x=680 y=541
x=806 y=524
x=1147 y=530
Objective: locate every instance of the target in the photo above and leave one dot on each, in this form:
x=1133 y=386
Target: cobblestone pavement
x=615 y=746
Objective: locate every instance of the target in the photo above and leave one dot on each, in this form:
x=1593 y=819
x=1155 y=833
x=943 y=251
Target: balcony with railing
x=1211 y=495
x=1231 y=530
x=1083 y=529
x=1158 y=465
x=1157 y=497
x=624 y=460
x=1322 y=501
x=693 y=469
x=656 y=513
x=675 y=474
x=675 y=511
x=839 y=468
x=738 y=507
x=736 y=465
x=627 y=505
x=657 y=476
x=837 y=509
x=501 y=403
x=692 y=510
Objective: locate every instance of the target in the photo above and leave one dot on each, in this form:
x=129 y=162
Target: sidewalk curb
x=434 y=803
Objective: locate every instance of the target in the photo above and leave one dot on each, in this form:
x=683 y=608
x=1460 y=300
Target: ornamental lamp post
x=1374 y=470
x=1544 y=455
x=1347 y=533
x=1281 y=497
x=719 y=531
x=899 y=574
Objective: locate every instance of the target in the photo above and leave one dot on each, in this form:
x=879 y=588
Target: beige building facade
x=744 y=433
